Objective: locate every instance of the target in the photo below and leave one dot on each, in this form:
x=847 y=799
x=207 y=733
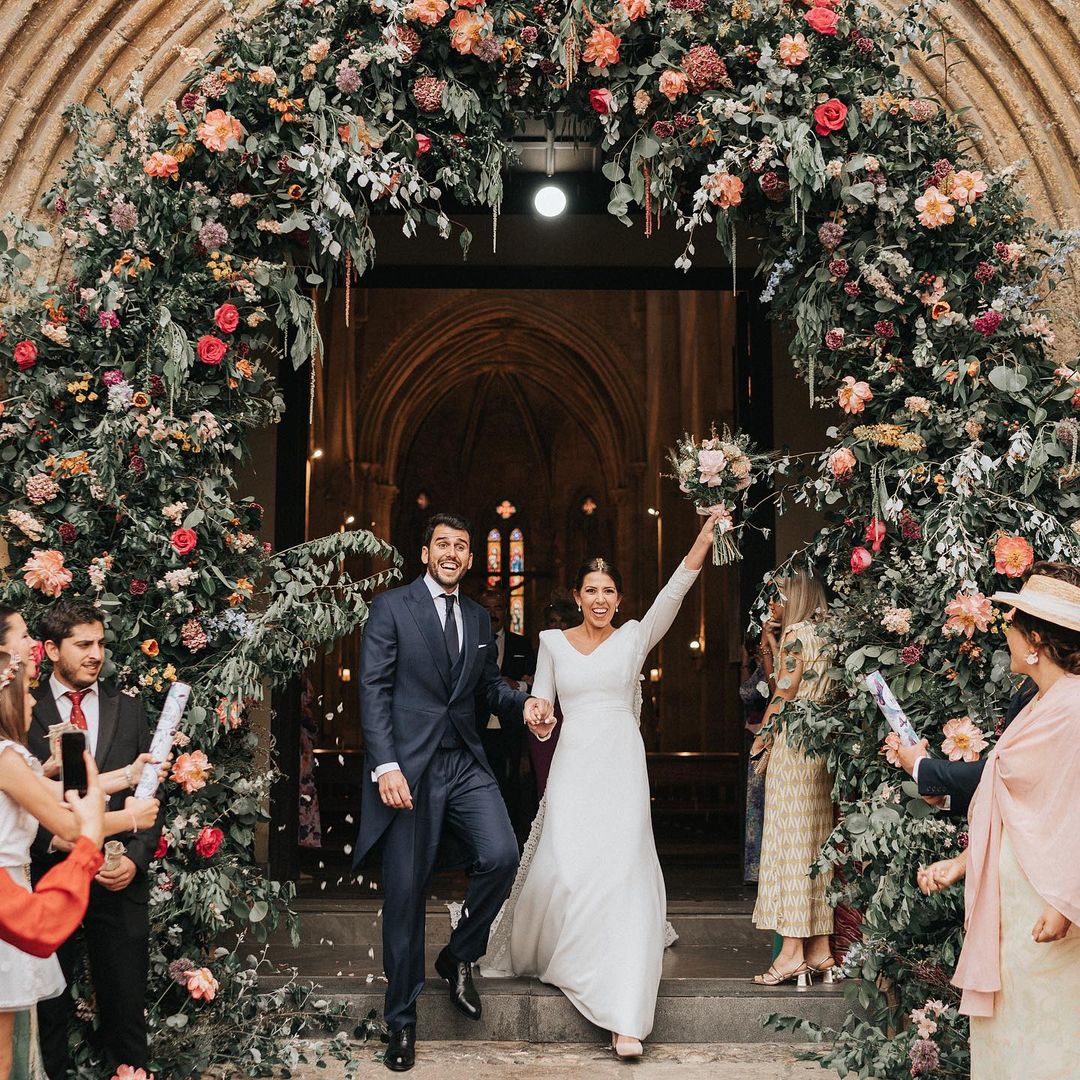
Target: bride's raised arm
x=658 y=619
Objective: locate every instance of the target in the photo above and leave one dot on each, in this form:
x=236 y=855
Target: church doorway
x=544 y=416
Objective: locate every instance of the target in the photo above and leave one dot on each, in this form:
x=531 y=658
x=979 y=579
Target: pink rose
x=860 y=560
x=831 y=115
x=853 y=395
x=208 y=842
x=227 y=318
x=184 y=541
x=201 y=984
x=875 y=533
x=602 y=101
x=211 y=349
x=25 y=355
x=673 y=84
x=841 y=463
x=822 y=20
x=423 y=144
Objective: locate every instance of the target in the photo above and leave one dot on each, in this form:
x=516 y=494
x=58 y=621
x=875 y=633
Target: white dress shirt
x=91 y=707
x=437 y=594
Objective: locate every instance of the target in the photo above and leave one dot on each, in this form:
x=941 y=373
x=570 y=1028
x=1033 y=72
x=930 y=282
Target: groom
x=427 y=651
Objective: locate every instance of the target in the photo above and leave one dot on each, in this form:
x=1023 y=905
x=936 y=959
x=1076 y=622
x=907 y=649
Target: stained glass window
x=517 y=582
x=494 y=558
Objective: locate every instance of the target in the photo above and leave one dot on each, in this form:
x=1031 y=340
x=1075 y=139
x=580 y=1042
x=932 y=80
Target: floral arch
x=914 y=284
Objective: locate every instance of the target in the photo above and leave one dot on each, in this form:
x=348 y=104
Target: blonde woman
x=798 y=797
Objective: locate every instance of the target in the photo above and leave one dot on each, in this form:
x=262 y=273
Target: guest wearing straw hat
x=1020 y=966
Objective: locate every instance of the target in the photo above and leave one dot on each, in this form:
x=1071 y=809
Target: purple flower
x=924 y=1056
x=987 y=323
x=178 y=969
x=123 y=215
x=528 y=35
x=112 y=378
x=830 y=233
x=213 y=235
x=348 y=79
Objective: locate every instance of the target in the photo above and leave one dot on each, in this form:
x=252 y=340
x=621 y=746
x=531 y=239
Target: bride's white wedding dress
x=588 y=909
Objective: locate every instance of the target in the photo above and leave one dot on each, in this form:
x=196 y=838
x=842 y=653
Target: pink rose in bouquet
x=227 y=318
x=25 y=354
x=602 y=101
x=208 y=842
x=860 y=560
x=823 y=20
x=853 y=395
x=841 y=463
x=201 y=984
x=830 y=116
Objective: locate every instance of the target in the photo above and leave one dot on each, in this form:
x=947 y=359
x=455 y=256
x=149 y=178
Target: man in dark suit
x=504 y=743
x=427 y=651
x=954 y=782
x=116 y=927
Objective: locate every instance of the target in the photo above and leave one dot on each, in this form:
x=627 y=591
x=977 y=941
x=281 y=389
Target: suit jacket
x=518 y=661
x=407 y=695
x=123 y=734
x=959 y=779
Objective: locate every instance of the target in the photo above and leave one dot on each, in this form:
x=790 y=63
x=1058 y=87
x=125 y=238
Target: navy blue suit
x=418 y=711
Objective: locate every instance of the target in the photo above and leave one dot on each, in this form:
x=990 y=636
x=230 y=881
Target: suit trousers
x=116 y=932
x=456 y=791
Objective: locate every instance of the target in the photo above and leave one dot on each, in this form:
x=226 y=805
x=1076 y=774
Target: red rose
x=822 y=20
x=423 y=144
x=162 y=846
x=860 y=560
x=227 y=318
x=212 y=349
x=208 y=841
x=876 y=533
x=601 y=101
x=184 y=541
x=829 y=117
x=25 y=355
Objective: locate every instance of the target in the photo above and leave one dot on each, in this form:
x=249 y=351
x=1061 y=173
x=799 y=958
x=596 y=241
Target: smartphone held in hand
x=72 y=765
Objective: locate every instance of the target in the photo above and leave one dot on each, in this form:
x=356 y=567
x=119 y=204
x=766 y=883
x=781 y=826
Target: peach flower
x=468 y=29
x=1012 y=555
x=636 y=9
x=934 y=208
x=853 y=396
x=841 y=462
x=45 y=571
x=161 y=165
x=889 y=748
x=429 y=12
x=602 y=48
x=793 y=49
x=672 y=84
x=190 y=771
x=968 y=186
x=201 y=984
x=968 y=612
x=963 y=740
x=129 y=1072
x=218 y=130
x=725 y=190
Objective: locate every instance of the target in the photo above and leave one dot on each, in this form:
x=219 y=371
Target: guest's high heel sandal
x=801 y=976
x=626 y=1046
x=827 y=969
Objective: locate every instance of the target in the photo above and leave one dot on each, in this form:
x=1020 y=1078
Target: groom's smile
x=447 y=557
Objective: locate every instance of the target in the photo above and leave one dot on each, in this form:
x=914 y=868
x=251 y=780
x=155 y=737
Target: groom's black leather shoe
x=401 y=1052
x=462 y=991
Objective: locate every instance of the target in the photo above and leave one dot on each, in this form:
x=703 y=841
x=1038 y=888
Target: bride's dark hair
x=597 y=566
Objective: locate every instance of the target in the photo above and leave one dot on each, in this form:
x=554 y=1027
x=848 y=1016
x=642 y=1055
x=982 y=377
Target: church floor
x=577 y=1061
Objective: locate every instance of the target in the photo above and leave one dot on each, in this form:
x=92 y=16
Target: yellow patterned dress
x=798 y=814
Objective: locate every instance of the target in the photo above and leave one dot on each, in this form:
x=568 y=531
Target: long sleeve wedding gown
x=588 y=911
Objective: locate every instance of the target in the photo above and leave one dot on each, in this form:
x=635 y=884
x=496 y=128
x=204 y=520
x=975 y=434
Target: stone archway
x=1016 y=77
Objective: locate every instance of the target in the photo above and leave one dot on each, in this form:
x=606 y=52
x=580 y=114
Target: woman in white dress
x=588 y=911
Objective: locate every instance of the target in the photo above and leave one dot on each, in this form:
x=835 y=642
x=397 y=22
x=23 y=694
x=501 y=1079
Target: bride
x=588 y=909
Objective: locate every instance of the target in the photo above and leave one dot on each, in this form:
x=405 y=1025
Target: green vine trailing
x=913 y=281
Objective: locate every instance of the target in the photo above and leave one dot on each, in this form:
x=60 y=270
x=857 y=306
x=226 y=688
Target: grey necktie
x=450 y=634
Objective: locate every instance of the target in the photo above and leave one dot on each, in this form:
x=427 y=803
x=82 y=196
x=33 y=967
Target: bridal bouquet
x=713 y=474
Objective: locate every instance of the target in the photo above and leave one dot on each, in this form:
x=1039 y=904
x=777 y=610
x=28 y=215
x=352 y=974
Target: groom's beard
x=447 y=578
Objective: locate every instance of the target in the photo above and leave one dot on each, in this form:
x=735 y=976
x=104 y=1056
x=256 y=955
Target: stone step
x=687 y=1010
x=358 y=926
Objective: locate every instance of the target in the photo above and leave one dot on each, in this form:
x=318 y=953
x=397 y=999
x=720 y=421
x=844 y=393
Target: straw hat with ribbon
x=1047 y=598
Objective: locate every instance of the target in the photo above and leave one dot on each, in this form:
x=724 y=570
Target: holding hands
x=540 y=717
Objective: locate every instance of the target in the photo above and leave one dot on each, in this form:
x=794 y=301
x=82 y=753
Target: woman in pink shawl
x=1020 y=966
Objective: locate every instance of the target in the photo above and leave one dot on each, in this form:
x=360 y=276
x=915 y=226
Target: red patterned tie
x=78 y=717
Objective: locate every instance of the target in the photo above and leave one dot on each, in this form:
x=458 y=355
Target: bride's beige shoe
x=626 y=1046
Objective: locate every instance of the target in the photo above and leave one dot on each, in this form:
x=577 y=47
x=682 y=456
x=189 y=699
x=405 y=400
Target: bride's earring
x=1032 y=657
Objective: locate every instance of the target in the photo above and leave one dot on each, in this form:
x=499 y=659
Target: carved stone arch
x=528 y=340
